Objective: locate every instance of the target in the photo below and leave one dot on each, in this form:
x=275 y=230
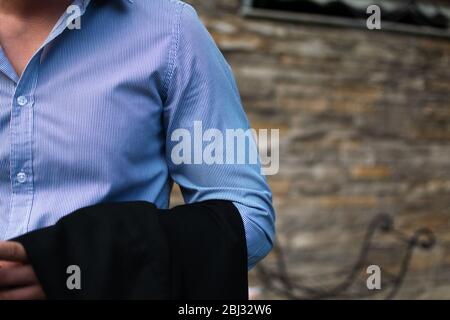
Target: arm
x=201 y=88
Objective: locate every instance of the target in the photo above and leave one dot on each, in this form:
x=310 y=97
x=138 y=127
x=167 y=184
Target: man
x=87 y=116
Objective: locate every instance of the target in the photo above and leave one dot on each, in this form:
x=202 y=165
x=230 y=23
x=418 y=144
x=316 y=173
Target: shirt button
x=22 y=100
x=21 y=177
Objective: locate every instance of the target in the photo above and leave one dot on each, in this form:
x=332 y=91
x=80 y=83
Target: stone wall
x=364 y=118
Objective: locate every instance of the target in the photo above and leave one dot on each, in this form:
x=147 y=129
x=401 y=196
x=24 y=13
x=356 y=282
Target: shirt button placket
x=21 y=153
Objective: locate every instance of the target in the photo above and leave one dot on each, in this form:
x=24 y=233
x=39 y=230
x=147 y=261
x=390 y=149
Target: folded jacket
x=134 y=250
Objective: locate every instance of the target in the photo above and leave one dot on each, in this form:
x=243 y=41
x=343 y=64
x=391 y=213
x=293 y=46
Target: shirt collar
x=84 y=3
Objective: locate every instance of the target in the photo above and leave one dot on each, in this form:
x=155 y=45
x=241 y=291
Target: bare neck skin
x=24 y=26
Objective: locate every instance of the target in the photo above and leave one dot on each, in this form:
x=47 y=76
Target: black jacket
x=135 y=251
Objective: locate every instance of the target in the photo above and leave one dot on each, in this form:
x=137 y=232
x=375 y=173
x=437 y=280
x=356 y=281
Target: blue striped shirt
x=91 y=118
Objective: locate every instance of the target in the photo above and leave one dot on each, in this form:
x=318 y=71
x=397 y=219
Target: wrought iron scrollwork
x=278 y=280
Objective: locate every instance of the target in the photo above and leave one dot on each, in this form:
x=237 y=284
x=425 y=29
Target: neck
x=31 y=8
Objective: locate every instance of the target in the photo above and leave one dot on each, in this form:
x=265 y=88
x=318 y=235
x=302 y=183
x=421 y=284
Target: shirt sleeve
x=202 y=102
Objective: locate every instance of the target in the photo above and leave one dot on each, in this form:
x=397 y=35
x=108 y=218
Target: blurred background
x=364 y=119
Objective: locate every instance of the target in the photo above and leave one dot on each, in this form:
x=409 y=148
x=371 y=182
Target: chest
x=85 y=100
x=19 y=51
x=88 y=93
x=20 y=41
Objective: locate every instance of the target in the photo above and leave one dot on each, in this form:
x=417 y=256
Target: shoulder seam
x=174 y=47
